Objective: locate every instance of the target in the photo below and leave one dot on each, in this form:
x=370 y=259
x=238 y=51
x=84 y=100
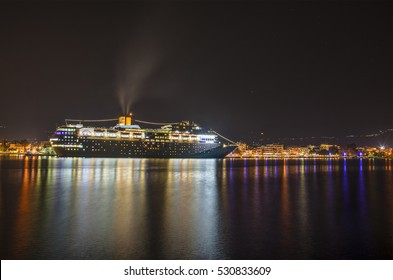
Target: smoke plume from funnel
x=142 y=57
x=135 y=69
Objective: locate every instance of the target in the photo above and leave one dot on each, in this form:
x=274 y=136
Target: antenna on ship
x=81 y=121
x=154 y=123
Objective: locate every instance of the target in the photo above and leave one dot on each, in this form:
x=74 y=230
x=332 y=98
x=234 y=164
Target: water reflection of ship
x=184 y=139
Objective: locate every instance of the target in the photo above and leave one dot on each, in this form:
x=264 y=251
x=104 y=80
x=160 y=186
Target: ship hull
x=143 y=149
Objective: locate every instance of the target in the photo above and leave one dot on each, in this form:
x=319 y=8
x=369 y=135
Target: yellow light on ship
x=122 y=120
x=128 y=120
x=125 y=120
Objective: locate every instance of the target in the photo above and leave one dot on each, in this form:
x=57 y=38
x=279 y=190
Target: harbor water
x=96 y=208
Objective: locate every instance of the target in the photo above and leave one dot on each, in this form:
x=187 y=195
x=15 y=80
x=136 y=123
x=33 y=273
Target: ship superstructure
x=176 y=140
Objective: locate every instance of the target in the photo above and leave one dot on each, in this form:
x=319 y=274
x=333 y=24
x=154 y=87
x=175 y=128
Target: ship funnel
x=125 y=120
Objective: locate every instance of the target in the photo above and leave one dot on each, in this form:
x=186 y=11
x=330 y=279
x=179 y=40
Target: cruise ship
x=176 y=140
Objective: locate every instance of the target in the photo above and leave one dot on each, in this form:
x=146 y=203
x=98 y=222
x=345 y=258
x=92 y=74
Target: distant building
x=272 y=149
x=326 y=147
x=297 y=151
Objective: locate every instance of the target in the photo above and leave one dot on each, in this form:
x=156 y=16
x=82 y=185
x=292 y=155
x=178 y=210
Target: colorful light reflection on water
x=196 y=209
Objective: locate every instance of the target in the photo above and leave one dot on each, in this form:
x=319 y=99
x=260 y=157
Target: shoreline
x=227 y=157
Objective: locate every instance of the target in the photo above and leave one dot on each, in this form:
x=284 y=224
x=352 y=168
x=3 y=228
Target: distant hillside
x=383 y=137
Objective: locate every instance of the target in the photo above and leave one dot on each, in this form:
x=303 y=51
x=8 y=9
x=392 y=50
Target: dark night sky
x=282 y=68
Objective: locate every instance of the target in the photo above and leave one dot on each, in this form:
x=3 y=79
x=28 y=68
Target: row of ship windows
x=135 y=152
x=148 y=149
x=104 y=150
x=157 y=146
x=95 y=148
x=146 y=145
x=147 y=141
x=98 y=148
